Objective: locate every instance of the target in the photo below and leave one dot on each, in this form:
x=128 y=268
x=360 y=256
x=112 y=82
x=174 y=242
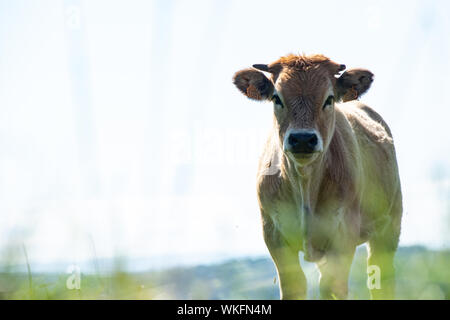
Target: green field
x=421 y=274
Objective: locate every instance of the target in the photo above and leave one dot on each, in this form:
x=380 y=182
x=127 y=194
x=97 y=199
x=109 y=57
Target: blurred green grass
x=421 y=274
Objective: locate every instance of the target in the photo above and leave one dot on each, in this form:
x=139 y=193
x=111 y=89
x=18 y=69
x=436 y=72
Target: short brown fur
x=345 y=194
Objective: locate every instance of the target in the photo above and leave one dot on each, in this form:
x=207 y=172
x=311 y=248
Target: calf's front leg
x=334 y=273
x=290 y=274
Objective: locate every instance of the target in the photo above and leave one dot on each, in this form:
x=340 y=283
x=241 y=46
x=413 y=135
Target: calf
x=328 y=178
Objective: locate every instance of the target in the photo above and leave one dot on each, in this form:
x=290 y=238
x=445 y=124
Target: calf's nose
x=302 y=142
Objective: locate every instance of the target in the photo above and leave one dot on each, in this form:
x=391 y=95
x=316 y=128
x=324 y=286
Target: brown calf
x=328 y=178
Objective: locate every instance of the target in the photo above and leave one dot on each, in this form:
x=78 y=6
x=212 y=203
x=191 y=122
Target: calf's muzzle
x=302 y=142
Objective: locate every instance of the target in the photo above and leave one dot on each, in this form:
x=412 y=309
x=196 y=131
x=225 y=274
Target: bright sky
x=120 y=128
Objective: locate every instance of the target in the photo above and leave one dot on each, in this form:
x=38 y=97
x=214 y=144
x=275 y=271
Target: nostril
x=313 y=140
x=293 y=141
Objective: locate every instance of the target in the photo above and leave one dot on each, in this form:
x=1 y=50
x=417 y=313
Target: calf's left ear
x=353 y=83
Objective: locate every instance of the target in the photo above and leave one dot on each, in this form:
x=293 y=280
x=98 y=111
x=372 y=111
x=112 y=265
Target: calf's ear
x=353 y=83
x=254 y=84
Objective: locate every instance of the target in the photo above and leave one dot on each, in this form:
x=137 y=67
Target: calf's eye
x=276 y=99
x=328 y=102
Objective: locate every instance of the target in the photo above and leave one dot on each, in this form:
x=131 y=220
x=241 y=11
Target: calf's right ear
x=254 y=84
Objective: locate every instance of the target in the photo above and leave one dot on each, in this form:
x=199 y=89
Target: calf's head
x=303 y=90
